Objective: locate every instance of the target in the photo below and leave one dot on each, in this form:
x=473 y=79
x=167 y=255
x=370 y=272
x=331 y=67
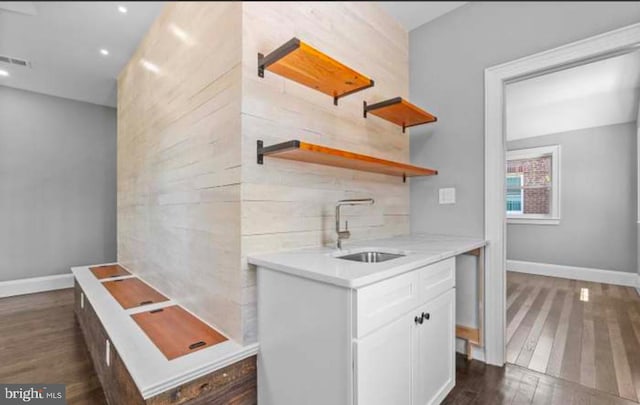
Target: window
x=533 y=185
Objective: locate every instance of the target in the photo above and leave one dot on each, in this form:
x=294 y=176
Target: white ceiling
x=63 y=41
x=413 y=14
x=601 y=93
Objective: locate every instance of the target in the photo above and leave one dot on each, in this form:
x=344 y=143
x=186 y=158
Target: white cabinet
x=385 y=363
x=411 y=360
x=435 y=357
x=324 y=344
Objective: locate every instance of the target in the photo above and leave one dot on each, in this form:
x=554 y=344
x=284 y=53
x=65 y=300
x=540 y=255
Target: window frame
x=553 y=218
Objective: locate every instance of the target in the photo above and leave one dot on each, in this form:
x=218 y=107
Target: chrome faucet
x=346 y=234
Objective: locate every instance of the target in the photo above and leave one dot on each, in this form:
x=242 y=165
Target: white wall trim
x=35 y=285
x=618 y=41
x=574 y=273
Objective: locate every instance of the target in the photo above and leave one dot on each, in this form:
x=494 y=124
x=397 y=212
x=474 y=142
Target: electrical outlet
x=447 y=195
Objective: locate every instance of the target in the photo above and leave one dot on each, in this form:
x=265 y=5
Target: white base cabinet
x=392 y=342
x=410 y=361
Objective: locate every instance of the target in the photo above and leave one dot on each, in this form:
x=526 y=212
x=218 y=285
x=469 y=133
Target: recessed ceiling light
x=4 y=73
x=104 y=52
x=122 y=9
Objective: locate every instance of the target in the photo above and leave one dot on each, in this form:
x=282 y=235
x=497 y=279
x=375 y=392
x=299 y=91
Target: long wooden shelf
x=306 y=65
x=311 y=153
x=400 y=112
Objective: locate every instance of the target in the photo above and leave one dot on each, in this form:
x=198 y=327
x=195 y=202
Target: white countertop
x=320 y=264
x=150 y=370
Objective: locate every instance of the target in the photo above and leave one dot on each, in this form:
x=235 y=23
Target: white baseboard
x=35 y=285
x=476 y=352
x=575 y=273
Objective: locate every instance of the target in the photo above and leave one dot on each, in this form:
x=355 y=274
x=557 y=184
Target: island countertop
x=321 y=264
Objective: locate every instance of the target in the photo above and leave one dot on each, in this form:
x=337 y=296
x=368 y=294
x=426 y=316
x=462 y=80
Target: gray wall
x=57 y=184
x=598 y=202
x=447 y=61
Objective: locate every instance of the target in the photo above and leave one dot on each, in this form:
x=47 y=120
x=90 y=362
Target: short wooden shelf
x=176 y=332
x=310 y=153
x=306 y=65
x=133 y=292
x=400 y=112
x=108 y=271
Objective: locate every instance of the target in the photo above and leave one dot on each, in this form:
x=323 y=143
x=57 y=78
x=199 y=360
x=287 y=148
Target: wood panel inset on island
x=176 y=332
x=108 y=271
x=133 y=292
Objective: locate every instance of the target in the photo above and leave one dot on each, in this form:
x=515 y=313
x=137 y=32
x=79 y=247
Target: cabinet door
x=384 y=364
x=435 y=337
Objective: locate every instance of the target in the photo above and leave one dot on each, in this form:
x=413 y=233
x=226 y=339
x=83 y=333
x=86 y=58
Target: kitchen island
x=336 y=330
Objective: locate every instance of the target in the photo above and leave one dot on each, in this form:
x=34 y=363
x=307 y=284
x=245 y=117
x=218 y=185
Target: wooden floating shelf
x=176 y=332
x=306 y=65
x=310 y=153
x=108 y=271
x=400 y=112
x=133 y=292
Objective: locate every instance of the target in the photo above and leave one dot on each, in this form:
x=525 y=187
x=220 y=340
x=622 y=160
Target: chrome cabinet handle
x=426 y=315
x=418 y=320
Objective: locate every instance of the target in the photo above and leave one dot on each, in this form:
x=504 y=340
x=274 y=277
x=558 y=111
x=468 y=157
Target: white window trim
x=539 y=219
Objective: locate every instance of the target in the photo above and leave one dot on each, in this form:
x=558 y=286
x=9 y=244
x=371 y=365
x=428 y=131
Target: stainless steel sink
x=370 y=257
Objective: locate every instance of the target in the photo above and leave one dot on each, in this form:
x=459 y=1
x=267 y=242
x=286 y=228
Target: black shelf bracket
x=260 y=154
x=382 y=104
x=262 y=151
x=284 y=50
x=404 y=177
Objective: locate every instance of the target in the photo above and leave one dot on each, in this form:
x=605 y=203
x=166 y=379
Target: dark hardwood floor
x=480 y=384
x=583 y=332
x=574 y=342
x=40 y=342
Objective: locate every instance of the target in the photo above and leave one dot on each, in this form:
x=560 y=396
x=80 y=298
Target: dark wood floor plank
x=570 y=369
x=530 y=313
x=588 y=354
x=631 y=335
x=621 y=365
x=605 y=372
x=542 y=352
x=57 y=353
x=536 y=330
x=560 y=338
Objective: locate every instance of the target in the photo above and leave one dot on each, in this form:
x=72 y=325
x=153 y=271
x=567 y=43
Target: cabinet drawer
x=436 y=279
x=380 y=303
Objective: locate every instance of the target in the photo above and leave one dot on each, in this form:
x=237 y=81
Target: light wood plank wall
x=179 y=160
x=289 y=204
x=192 y=201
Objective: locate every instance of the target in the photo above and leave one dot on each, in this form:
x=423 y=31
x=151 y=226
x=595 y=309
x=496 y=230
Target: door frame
x=601 y=46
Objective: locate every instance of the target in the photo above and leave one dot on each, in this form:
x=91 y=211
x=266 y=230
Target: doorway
x=618 y=42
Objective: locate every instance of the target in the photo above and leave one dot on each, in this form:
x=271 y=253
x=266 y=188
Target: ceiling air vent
x=14 y=61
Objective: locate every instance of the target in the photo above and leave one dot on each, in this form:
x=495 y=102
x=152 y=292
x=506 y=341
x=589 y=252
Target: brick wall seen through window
x=536 y=183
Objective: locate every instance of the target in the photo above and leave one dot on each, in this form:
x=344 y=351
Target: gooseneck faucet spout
x=346 y=234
